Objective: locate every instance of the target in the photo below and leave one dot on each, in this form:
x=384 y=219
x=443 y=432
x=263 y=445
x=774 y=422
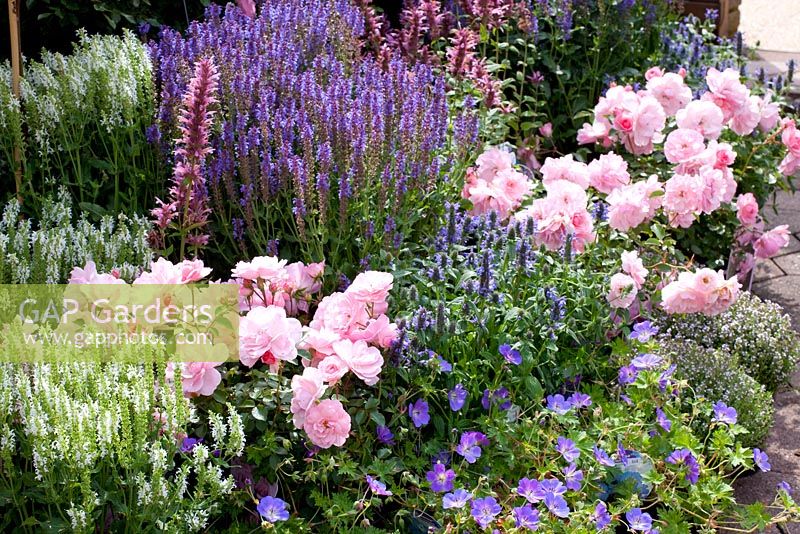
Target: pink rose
x=650 y=120
x=747 y=209
x=372 y=288
x=200 y=378
x=267 y=334
x=769 y=114
x=332 y=368
x=608 y=172
x=633 y=266
x=593 y=133
x=546 y=130
x=683 y=144
x=306 y=390
x=683 y=193
x=89 y=275
x=365 y=361
x=703 y=117
x=670 y=91
x=514 y=185
x=771 y=242
x=340 y=313
x=193 y=271
x=492 y=161
x=653 y=72
x=162 y=272
x=747 y=117
x=565 y=168
x=726 y=91
x=623 y=291
x=327 y=424
x=265 y=267
x=379 y=332
x=723 y=153
x=566 y=195
x=704 y=291
x=319 y=343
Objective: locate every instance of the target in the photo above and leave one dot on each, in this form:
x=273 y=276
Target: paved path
x=778 y=280
x=771 y=24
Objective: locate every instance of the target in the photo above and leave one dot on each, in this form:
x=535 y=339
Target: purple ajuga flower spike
x=724 y=413
x=567 y=449
x=441 y=478
x=761 y=459
x=484 y=511
x=457 y=397
x=579 y=400
x=511 y=355
x=418 y=411
x=272 y=509
x=558 y=404
x=628 y=374
x=644 y=362
x=662 y=420
x=530 y=489
x=572 y=477
x=600 y=517
x=457 y=499
x=686 y=458
x=526 y=517
x=385 y=435
x=377 y=487
x=638 y=520
x=470 y=445
x=602 y=457
x=643 y=331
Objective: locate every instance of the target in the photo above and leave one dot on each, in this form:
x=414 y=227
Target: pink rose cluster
x=790 y=137
x=562 y=212
x=752 y=242
x=495 y=185
x=269 y=281
x=624 y=286
x=704 y=291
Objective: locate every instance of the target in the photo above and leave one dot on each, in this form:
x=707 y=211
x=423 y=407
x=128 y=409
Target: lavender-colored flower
x=530 y=489
x=444 y=365
x=600 y=517
x=188 y=444
x=418 y=411
x=686 y=458
x=526 y=517
x=558 y=404
x=643 y=331
x=572 y=477
x=663 y=379
x=628 y=374
x=644 y=362
x=567 y=449
x=784 y=486
x=272 y=509
x=457 y=397
x=511 y=355
x=761 y=459
x=552 y=486
x=556 y=504
x=494 y=397
x=638 y=520
x=457 y=499
x=442 y=457
x=724 y=413
x=579 y=400
x=602 y=457
x=470 y=445
x=662 y=420
x=441 y=478
x=377 y=487
x=385 y=435
x=485 y=510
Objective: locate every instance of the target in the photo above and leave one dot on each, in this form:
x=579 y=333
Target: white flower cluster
x=47 y=254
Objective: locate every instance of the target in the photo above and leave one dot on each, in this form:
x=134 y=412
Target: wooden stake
x=16 y=76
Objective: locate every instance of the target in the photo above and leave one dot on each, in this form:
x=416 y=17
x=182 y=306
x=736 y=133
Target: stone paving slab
x=789 y=264
x=761 y=22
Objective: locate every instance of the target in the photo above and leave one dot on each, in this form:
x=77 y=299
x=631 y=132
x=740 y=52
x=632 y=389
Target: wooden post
x=16 y=76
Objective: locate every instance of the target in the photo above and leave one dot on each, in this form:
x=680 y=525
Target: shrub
x=46 y=252
x=716 y=375
x=755 y=332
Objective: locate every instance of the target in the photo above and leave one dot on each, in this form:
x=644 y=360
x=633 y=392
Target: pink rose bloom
x=327 y=424
x=703 y=117
x=623 y=291
x=725 y=294
x=200 y=378
x=514 y=185
x=631 y=205
x=248 y=7
x=487 y=196
x=747 y=209
x=705 y=291
x=726 y=91
x=747 y=117
x=568 y=196
x=608 y=172
x=340 y=313
x=715 y=188
x=632 y=265
x=565 y=168
x=593 y=133
x=683 y=144
x=89 y=275
x=670 y=91
x=769 y=114
x=653 y=72
x=682 y=193
x=771 y=242
x=563 y=212
x=724 y=155
x=332 y=368
x=306 y=390
x=789 y=165
x=193 y=271
x=319 y=343
x=372 y=288
x=492 y=161
x=650 y=120
x=264 y=267
x=546 y=130
x=745 y=265
x=162 y=272
x=379 y=332
x=366 y=362
x=790 y=137
x=267 y=334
